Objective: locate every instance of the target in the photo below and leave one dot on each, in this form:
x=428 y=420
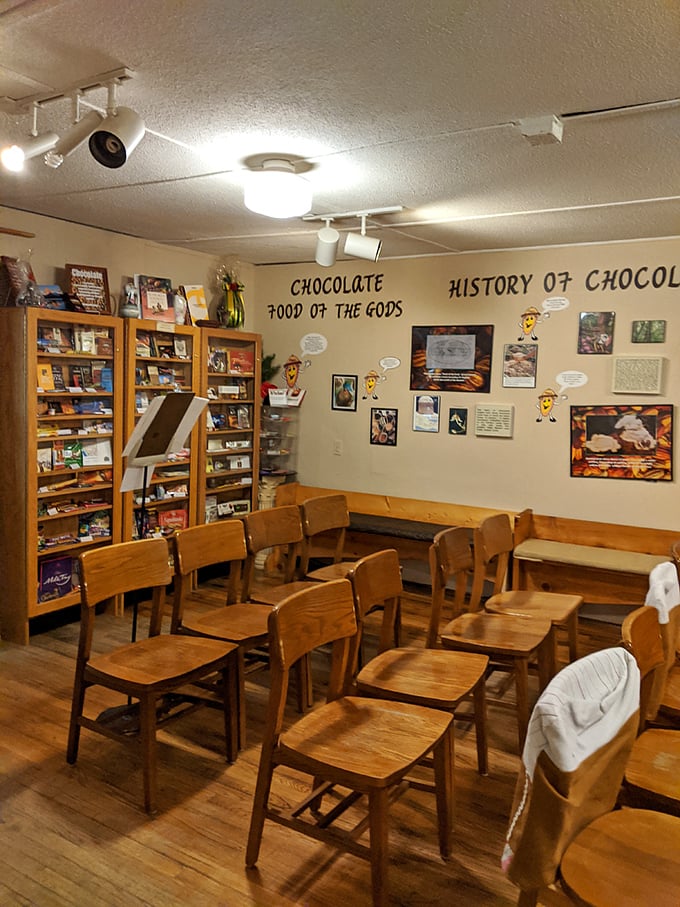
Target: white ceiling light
x=74 y=138
x=327 y=240
x=358 y=245
x=277 y=190
x=13 y=156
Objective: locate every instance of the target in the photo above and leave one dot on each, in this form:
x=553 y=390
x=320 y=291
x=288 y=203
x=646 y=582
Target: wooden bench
x=382 y=521
x=607 y=563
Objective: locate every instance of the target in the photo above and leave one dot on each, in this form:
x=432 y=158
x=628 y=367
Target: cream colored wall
x=532 y=468
x=57 y=242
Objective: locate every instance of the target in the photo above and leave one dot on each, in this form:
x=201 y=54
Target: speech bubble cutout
x=389 y=362
x=570 y=379
x=554 y=304
x=313 y=344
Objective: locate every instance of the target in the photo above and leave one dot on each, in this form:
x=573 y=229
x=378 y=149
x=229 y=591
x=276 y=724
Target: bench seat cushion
x=587 y=556
x=387 y=525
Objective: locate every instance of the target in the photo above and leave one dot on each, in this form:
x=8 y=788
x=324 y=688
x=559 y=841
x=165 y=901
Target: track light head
x=358 y=245
x=13 y=157
x=116 y=137
x=73 y=139
x=327 y=240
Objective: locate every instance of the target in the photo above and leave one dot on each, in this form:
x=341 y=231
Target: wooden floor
x=76 y=835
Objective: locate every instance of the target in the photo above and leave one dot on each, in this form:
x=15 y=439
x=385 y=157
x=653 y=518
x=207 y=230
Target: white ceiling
x=390 y=102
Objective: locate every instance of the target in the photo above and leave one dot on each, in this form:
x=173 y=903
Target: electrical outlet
x=337 y=448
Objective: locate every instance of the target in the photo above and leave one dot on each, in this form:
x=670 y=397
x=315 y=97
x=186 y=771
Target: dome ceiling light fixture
x=277 y=190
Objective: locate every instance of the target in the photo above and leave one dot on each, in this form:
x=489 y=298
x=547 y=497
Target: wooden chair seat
x=271 y=593
x=560 y=609
x=331 y=571
x=653 y=771
x=624 y=859
x=244 y=623
x=367 y=746
x=498 y=635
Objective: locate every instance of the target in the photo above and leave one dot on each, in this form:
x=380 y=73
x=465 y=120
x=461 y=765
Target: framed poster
x=89 y=287
x=596 y=333
x=454 y=358
x=155 y=297
x=653 y=331
x=622 y=442
x=519 y=364
x=384 y=427
x=344 y=393
x=426 y=412
x=458 y=420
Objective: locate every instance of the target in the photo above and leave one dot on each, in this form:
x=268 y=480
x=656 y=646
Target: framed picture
x=453 y=358
x=519 y=364
x=384 y=427
x=426 y=412
x=637 y=375
x=458 y=420
x=596 y=333
x=622 y=442
x=89 y=286
x=648 y=332
x=155 y=297
x=344 y=393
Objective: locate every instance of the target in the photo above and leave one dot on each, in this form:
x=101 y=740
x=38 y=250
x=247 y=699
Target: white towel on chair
x=664 y=590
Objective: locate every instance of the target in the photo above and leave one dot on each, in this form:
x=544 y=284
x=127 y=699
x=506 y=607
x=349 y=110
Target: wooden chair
x=367 y=746
x=325 y=514
x=508 y=640
x=146 y=670
x=493 y=543
x=652 y=776
x=430 y=677
x=242 y=623
x=564 y=844
x=664 y=595
x=276 y=527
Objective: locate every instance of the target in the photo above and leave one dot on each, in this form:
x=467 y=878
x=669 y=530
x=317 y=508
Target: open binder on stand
x=162 y=430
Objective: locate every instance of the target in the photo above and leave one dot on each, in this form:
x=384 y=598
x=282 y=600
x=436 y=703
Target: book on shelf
x=103 y=344
x=97 y=452
x=94 y=525
x=73 y=454
x=83 y=340
x=58 y=454
x=45 y=459
x=143 y=345
x=217 y=360
x=181 y=347
x=106 y=382
x=45 y=376
x=165 y=346
x=58 y=377
x=152 y=373
x=241 y=362
x=211 y=508
x=155 y=297
x=196 y=301
x=55 y=578
x=53 y=296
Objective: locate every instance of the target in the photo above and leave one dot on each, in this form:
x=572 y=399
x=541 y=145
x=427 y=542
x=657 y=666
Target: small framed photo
x=344 y=393
x=519 y=364
x=384 y=427
x=649 y=332
x=426 y=412
x=458 y=420
x=596 y=333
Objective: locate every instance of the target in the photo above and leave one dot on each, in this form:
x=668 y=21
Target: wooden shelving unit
x=229 y=435
x=61 y=396
x=161 y=358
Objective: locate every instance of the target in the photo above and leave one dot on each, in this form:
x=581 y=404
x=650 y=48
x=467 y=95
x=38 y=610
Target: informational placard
x=494 y=420
x=637 y=375
x=89 y=286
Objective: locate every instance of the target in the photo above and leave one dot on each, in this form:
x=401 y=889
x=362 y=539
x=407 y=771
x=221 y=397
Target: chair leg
x=231 y=695
x=522 y=693
x=77 y=706
x=378 y=801
x=546 y=660
x=241 y=683
x=147 y=725
x=303 y=684
x=260 y=802
x=479 y=698
x=572 y=634
x=443 y=779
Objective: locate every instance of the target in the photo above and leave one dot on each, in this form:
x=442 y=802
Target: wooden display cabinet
x=229 y=434
x=161 y=358
x=61 y=398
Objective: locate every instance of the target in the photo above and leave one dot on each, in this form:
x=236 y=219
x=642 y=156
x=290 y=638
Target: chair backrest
x=276 y=527
x=450 y=558
x=492 y=544
x=322 y=614
x=580 y=735
x=116 y=569
x=641 y=635
x=325 y=513
x=664 y=595
x=376 y=583
x=207 y=545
